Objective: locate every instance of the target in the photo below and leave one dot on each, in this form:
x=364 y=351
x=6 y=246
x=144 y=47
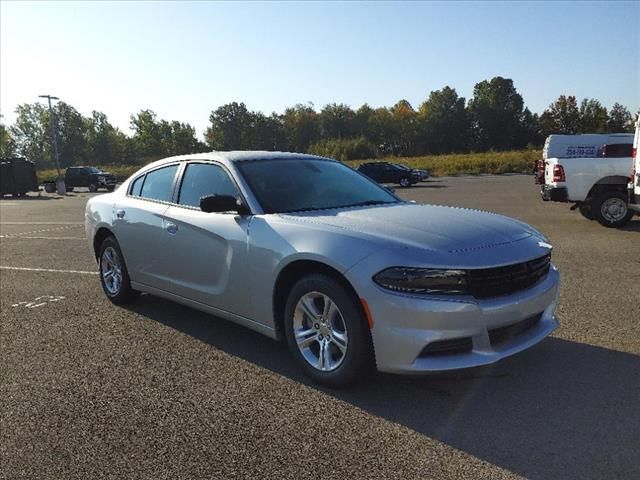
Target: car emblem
x=545 y=245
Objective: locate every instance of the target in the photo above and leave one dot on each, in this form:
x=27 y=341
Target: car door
x=139 y=226
x=207 y=252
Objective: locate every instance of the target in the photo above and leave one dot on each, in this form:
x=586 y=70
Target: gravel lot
x=159 y=391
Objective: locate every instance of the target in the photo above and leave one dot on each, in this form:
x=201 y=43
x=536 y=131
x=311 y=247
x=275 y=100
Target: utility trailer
x=17 y=177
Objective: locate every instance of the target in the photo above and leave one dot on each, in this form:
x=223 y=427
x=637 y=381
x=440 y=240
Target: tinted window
x=159 y=184
x=289 y=185
x=618 y=150
x=202 y=179
x=136 y=186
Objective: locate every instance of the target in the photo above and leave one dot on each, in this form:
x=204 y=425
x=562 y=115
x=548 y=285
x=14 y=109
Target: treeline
x=495 y=118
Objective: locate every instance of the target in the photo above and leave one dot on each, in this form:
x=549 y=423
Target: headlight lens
x=423 y=280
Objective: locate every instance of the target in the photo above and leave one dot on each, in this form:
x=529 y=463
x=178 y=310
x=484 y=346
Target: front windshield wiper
x=366 y=203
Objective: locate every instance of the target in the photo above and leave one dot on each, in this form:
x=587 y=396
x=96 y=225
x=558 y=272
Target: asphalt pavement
x=160 y=391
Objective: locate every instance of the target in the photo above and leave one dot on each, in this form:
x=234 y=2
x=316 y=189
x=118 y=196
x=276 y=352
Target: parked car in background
x=597 y=186
x=634 y=183
x=89 y=177
x=303 y=248
x=17 y=177
x=578 y=146
x=384 y=172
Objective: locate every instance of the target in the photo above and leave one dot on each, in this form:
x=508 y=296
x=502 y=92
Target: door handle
x=120 y=213
x=171 y=227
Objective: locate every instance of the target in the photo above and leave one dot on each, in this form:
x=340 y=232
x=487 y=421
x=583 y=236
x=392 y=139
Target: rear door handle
x=120 y=213
x=171 y=227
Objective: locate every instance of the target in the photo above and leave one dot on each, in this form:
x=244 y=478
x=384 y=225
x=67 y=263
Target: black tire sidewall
x=359 y=356
x=596 y=208
x=126 y=293
x=93 y=187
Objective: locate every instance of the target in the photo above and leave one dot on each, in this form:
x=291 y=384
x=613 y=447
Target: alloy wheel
x=320 y=331
x=111 y=270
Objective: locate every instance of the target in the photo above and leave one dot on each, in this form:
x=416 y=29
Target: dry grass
x=516 y=161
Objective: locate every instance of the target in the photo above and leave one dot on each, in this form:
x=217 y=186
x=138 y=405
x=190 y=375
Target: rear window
x=617 y=150
x=158 y=185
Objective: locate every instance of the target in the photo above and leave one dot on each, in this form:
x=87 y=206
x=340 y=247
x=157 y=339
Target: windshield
x=291 y=185
x=94 y=170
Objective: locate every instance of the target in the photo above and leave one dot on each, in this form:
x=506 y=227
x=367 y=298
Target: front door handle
x=171 y=227
x=120 y=213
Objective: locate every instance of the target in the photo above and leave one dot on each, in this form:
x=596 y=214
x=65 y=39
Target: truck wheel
x=50 y=187
x=404 y=182
x=93 y=187
x=610 y=209
x=586 y=211
x=111 y=189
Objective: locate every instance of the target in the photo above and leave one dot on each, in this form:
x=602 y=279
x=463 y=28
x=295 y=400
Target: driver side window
x=203 y=179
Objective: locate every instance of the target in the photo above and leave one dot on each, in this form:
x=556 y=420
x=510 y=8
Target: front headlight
x=423 y=280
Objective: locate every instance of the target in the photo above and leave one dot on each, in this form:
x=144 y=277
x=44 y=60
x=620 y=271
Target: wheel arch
x=287 y=278
x=613 y=182
x=101 y=234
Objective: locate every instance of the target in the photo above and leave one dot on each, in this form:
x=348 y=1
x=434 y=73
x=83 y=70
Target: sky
x=185 y=59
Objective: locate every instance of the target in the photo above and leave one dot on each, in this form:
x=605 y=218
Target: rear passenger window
x=202 y=179
x=136 y=186
x=158 y=184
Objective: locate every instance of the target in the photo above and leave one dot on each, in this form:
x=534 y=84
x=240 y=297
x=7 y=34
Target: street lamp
x=60 y=181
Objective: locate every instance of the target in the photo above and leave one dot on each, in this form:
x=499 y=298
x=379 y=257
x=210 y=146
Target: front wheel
x=114 y=275
x=327 y=332
x=610 y=208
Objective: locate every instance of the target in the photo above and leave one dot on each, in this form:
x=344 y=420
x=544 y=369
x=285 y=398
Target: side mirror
x=222 y=203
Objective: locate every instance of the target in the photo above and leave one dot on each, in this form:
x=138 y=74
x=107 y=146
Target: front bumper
x=403 y=325
x=555 y=194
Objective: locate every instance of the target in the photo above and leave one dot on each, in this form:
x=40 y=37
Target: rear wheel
x=93 y=187
x=610 y=208
x=50 y=187
x=404 y=182
x=114 y=276
x=327 y=332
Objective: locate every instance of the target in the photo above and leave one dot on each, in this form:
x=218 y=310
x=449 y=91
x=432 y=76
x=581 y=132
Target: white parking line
x=41 y=223
x=48 y=270
x=43 y=238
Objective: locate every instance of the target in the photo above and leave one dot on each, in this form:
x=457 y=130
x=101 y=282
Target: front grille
x=494 y=282
x=506 y=333
x=447 y=347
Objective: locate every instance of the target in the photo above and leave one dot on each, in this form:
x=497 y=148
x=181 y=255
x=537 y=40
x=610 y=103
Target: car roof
x=238 y=156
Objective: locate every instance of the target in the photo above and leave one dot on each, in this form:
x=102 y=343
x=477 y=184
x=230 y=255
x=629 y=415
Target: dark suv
x=383 y=172
x=91 y=177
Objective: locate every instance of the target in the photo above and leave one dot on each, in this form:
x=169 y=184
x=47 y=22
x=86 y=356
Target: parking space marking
x=39 y=301
x=47 y=270
x=43 y=238
x=42 y=230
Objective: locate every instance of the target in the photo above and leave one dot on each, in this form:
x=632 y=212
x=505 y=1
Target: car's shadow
x=632 y=226
x=561 y=410
x=34 y=196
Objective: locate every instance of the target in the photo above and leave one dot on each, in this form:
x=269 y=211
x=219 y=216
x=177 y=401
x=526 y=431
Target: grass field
x=516 y=161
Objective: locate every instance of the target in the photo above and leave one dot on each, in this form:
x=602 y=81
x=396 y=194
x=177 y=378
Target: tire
x=346 y=336
x=50 y=187
x=586 y=211
x=93 y=187
x=610 y=208
x=116 y=287
x=405 y=182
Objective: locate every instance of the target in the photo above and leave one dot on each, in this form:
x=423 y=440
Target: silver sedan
x=305 y=249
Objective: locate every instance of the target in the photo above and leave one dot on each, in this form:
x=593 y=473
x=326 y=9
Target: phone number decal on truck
x=582 y=151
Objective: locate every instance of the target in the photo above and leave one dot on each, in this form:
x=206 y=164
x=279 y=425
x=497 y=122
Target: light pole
x=60 y=181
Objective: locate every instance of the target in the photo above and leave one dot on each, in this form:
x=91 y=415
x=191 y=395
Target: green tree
x=562 y=116
x=229 y=127
x=495 y=111
x=361 y=122
x=593 y=116
x=106 y=143
x=337 y=121
x=147 y=135
x=31 y=134
x=443 y=122
x=620 y=120
x=301 y=126
x=529 y=134
x=8 y=147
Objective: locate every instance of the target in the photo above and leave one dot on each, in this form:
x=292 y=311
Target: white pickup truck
x=597 y=187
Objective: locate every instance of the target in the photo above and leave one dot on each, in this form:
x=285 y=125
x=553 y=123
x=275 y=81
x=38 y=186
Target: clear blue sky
x=185 y=59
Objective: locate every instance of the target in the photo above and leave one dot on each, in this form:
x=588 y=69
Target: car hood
x=431 y=227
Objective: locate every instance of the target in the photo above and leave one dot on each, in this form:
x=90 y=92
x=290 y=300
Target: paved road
x=90 y=390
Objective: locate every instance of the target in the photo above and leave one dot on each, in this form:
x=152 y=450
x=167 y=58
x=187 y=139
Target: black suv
x=91 y=177
x=383 y=172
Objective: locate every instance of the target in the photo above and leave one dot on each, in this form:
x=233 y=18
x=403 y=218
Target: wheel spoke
x=329 y=309
x=324 y=356
x=339 y=339
x=306 y=337
x=309 y=308
x=108 y=274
